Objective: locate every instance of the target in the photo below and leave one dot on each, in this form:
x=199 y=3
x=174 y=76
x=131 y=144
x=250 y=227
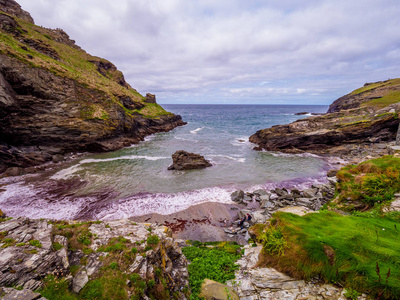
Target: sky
x=236 y=51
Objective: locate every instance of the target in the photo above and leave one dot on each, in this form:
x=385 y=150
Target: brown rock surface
x=365 y=116
x=47 y=110
x=182 y=160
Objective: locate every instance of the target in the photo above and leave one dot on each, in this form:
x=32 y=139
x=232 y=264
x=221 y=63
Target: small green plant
x=273 y=240
x=114 y=266
x=215 y=263
x=35 y=243
x=351 y=294
x=134 y=250
x=20 y=244
x=153 y=240
x=57 y=246
x=85 y=237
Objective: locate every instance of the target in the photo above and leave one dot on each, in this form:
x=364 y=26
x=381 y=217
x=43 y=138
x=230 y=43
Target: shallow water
x=135 y=180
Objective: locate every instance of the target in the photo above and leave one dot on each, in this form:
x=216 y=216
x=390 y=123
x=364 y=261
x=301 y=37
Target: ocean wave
x=238 y=159
x=281 y=154
x=68 y=172
x=163 y=204
x=196 y=130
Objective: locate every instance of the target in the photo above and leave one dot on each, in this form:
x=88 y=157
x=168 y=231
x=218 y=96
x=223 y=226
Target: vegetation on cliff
x=215 y=261
x=57 y=99
x=367 y=115
x=368 y=184
x=52 y=50
x=358 y=251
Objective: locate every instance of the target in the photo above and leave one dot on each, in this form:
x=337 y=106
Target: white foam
x=196 y=130
x=162 y=203
x=238 y=159
x=69 y=172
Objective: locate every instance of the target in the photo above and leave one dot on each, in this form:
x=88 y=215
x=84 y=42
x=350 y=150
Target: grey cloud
x=222 y=50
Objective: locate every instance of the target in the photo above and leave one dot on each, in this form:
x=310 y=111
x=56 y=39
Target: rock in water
x=182 y=160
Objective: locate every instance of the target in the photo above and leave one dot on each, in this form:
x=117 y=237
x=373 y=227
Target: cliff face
x=56 y=98
x=367 y=115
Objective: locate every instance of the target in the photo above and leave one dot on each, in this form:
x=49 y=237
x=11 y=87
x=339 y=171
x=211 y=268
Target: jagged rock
x=259 y=217
x=260 y=192
x=46 y=104
x=304 y=201
x=182 y=160
x=13 y=294
x=273 y=196
x=20 y=266
x=212 y=290
x=150 y=98
x=310 y=193
x=281 y=192
x=79 y=281
x=267 y=283
x=332 y=173
x=237 y=196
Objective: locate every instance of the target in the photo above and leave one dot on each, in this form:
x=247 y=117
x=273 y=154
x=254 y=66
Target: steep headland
x=55 y=98
x=366 y=115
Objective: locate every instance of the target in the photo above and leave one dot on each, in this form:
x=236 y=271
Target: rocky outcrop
x=376 y=92
x=56 y=99
x=150 y=98
x=182 y=160
x=13 y=8
x=30 y=250
x=256 y=283
x=293 y=201
x=366 y=116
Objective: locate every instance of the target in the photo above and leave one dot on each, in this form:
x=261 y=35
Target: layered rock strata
x=366 y=116
x=259 y=283
x=182 y=160
x=30 y=250
x=56 y=99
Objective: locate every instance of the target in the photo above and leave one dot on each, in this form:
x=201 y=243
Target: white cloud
x=229 y=49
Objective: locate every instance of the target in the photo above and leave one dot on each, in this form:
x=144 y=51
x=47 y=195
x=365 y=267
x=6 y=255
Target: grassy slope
x=73 y=63
x=391 y=97
x=356 y=250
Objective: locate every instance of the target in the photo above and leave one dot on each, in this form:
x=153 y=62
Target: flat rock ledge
x=29 y=251
x=254 y=283
x=182 y=160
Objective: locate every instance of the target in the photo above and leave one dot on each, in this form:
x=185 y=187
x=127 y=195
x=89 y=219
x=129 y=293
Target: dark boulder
x=182 y=160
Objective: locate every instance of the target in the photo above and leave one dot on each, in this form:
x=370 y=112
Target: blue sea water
x=135 y=180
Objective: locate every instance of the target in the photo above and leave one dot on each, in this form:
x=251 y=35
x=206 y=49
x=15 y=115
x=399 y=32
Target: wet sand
x=202 y=222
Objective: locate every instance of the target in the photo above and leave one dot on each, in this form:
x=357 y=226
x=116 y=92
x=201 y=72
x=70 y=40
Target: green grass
x=354 y=251
x=389 y=98
x=368 y=184
x=375 y=85
x=78 y=66
x=216 y=263
x=152 y=110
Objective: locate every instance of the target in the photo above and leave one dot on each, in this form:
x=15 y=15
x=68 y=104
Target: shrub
x=35 y=243
x=153 y=240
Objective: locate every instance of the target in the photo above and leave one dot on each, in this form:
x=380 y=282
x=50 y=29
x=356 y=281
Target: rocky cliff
x=92 y=260
x=367 y=115
x=55 y=98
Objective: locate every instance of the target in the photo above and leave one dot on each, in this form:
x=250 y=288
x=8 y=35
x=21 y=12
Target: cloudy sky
x=236 y=51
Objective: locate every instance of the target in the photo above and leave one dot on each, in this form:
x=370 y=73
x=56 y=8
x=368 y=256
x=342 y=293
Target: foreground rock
x=31 y=250
x=367 y=115
x=47 y=111
x=293 y=201
x=182 y=160
x=255 y=283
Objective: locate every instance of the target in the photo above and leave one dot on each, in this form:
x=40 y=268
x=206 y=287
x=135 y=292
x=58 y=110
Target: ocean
x=135 y=181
